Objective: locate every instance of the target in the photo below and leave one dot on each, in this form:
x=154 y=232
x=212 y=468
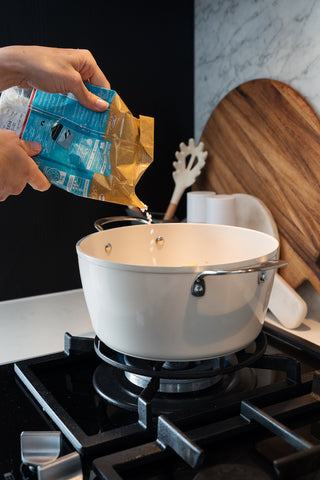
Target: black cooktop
x=260 y=421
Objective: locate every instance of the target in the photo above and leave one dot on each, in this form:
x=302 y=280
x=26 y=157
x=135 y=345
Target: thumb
x=88 y=99
x=37 y=180
x=31 y=148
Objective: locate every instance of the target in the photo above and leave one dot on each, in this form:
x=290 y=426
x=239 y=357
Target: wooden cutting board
x=263 y=139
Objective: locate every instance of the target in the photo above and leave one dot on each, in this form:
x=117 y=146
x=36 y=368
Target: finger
x=88 y=99
x=35 y=177
x=89 y=70
x=31 y=148
x=37 y=180
x=99 y=79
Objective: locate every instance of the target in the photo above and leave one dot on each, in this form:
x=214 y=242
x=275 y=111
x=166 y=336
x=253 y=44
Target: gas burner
x=181 y=385
x=141 y=432
x=150 y=368
x=113 y=385
x=176 y=385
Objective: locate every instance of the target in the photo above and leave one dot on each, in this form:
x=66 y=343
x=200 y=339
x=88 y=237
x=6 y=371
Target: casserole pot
x=177 y=291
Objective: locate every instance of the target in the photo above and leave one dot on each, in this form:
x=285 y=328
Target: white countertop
x=310 y=328
x=36 y=325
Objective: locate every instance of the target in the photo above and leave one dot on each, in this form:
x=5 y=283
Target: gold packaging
x=131 y=154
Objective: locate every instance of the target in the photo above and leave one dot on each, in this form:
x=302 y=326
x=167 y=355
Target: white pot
x=138 y=283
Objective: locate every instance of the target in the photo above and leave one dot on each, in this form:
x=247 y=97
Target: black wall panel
x=145 y=48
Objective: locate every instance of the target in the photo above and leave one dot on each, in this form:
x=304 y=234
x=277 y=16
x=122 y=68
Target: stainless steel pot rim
x=181 y=225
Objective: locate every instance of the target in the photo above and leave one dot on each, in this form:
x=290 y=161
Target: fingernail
x=101 y=104
x=35 y=147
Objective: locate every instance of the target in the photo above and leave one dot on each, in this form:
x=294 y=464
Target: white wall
x=237 y=41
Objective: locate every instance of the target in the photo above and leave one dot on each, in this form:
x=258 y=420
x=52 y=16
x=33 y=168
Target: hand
x=53 y=70
x=17 y=167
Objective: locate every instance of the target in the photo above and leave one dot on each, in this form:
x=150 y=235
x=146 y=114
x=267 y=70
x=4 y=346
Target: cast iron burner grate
x=146 y=437
x=232 y=472
x=156 y=369
x=172 y=386
x=121 y=392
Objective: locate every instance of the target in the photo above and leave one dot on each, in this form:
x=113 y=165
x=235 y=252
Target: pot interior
x=179 y=245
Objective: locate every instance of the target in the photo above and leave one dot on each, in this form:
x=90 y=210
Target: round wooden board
x=263 y=139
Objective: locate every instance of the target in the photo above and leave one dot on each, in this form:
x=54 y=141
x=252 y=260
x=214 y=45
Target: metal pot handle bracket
x=99 y=224
x=198 y=288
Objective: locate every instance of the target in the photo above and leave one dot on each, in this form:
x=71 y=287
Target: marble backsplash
x=240 y=40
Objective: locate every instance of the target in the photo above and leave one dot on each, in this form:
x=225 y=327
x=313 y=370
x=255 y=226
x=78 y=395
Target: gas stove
x=251 y=415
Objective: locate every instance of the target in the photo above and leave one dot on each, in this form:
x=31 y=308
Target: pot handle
x=199 y=287
x=99 y=224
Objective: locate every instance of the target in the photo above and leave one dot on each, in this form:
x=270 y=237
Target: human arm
x=53 y=70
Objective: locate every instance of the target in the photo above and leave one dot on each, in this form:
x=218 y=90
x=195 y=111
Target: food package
x=100 y=155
